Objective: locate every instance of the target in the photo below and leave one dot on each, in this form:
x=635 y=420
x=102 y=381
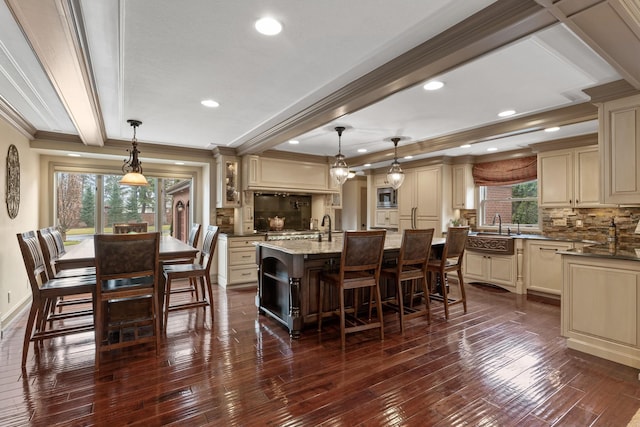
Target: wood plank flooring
x=502 y=364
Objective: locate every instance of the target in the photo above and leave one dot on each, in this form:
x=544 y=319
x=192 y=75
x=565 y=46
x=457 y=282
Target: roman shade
x=505 y=172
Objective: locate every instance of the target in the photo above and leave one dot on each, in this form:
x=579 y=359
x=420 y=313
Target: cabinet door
x=501 y=270
x=406 y=195
x=545 y=266
x=428 y=191
x=393 y=218
x=620 y=136
x=587 y=177
x=382 y=218
x=423 y=223
x=555 y=176
x=463 y=187
x=475 y=265
x=380 y=180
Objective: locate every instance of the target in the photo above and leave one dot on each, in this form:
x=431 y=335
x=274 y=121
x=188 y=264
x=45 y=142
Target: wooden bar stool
x=411 y=268
x=360 y=266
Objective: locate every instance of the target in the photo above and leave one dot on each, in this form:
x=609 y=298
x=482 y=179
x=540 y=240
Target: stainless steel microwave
x=387 y=197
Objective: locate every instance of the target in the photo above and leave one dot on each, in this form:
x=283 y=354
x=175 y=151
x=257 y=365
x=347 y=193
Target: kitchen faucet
x=327 y=216
x=499 y=222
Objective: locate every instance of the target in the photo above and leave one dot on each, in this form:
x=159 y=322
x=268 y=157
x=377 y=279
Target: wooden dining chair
x=127 y=311
x=450 y=261
x=43 y=323
x=360 y=265
x=199 y=272
x=192 y=288
x=411 y=268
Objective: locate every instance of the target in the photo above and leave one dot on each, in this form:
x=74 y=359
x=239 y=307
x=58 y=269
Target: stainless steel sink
x=488 y=242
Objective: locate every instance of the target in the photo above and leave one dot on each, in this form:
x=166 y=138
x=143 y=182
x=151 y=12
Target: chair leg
x=463 y=294
x=445 y=297
x=342 y=319
x=427 y=300
x=380 y=315
x=98 y=323
x=155 y=307
x=320 y=299
x=28 y=331
x=167 y=294
x=210 y=291
x=400 y=304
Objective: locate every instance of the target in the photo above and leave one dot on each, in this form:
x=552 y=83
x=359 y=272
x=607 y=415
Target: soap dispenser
x=612 y=231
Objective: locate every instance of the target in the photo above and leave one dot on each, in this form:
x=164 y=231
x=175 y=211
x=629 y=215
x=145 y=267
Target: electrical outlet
x=579 y=223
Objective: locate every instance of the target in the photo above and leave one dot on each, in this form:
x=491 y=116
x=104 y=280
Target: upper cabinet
x=228 y=181
x=463 y=187
x=269 y=174
x=569 y=178
x=619 y=139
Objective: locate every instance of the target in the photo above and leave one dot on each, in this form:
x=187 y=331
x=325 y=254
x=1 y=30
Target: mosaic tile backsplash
x=594 y=223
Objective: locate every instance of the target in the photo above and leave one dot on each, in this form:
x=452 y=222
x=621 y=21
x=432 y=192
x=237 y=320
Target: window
x=515 y=203
x=87 y=203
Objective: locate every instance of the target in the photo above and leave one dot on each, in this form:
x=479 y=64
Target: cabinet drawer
x=242 y=256
x=241 y=243
x=243 y=274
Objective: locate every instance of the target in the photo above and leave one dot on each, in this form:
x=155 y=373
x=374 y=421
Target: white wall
x=13 y=276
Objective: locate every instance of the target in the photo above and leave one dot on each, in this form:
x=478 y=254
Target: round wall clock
x=13 y=181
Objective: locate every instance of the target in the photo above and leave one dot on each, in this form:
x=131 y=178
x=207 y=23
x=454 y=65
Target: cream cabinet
x=599 y=312
x=424 y=199
x=237 y=260
x=269 y=174
x=463 y=187
x=386 y=218
x=490 y=268
x=544 y=266
x=380 y=180
x=569 y=178
x=228 y=180
x=619 y=139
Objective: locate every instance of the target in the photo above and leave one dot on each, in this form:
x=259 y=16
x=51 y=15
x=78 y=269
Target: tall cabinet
x=228 y=179
x=619 y=139
x=424 y=199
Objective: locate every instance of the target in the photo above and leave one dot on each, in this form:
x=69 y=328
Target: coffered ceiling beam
x=54 y=34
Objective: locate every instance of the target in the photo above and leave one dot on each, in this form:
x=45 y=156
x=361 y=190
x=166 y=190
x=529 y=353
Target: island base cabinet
x=600 y=306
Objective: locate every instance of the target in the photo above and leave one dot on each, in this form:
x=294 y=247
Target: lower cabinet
x=386 y=218
x=490 y=268
x=599 y=311
x=544 y=271
x=237 y=260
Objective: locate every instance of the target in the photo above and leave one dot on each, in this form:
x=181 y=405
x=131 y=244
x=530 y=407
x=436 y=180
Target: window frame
x=485 y=223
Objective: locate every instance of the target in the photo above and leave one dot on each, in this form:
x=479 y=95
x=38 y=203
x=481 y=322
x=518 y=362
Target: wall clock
x=13 y=181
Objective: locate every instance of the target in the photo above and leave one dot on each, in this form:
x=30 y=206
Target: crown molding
x=611 y=91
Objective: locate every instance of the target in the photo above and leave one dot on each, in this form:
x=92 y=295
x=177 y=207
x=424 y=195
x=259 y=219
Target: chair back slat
x=57 y=235
x=208 y=247
x=194 y=235
x=49 y=250
x=362 y=251
x=33 y=260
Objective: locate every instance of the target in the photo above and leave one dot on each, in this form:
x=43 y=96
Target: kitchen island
x=288 y=276
x=600 y=301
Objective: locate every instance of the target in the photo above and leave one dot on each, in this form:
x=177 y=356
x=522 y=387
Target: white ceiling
x=155 y=60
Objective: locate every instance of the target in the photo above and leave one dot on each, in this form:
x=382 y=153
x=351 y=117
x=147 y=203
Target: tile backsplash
x=591 y=224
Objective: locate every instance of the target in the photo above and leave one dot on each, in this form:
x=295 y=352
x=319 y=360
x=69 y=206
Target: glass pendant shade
x=395 y=176
x=339 y=170
x=132 y=167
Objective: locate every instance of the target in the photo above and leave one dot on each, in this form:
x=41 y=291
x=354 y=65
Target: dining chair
x=46 y=291
x=411 y=268
x=198 y=272
x=127 y=309
x=451 y=260
x=360 y=265
x=194 y=237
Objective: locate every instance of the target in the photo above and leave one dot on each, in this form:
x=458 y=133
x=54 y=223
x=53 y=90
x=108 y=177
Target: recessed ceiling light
x=492 y=149
x=366 y=165
x=408 y=157
x=362 y=150
x=74 y=155
x=433 y=85
x=465 y=146
x=209 y=103
x=294 y=142
x=179 y=163
x=268 y=26
x=506 y=113
x=552 y=129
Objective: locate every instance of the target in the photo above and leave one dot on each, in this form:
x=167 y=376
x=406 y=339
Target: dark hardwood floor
x=503 y=363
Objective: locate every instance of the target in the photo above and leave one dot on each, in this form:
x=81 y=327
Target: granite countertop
x=259 y=235
x=537 y=237
x=606 y=250
x=311 y=247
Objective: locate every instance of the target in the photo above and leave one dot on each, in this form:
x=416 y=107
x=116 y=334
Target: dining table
x=83 y=255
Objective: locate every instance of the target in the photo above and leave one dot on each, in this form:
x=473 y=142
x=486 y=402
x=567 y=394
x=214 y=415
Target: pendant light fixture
x=339 y=170
x=132 y=167
x=395 y=176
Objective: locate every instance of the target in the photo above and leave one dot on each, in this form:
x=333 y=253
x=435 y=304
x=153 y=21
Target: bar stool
x=451 y=260
x=411 y=268
x=360 y=265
